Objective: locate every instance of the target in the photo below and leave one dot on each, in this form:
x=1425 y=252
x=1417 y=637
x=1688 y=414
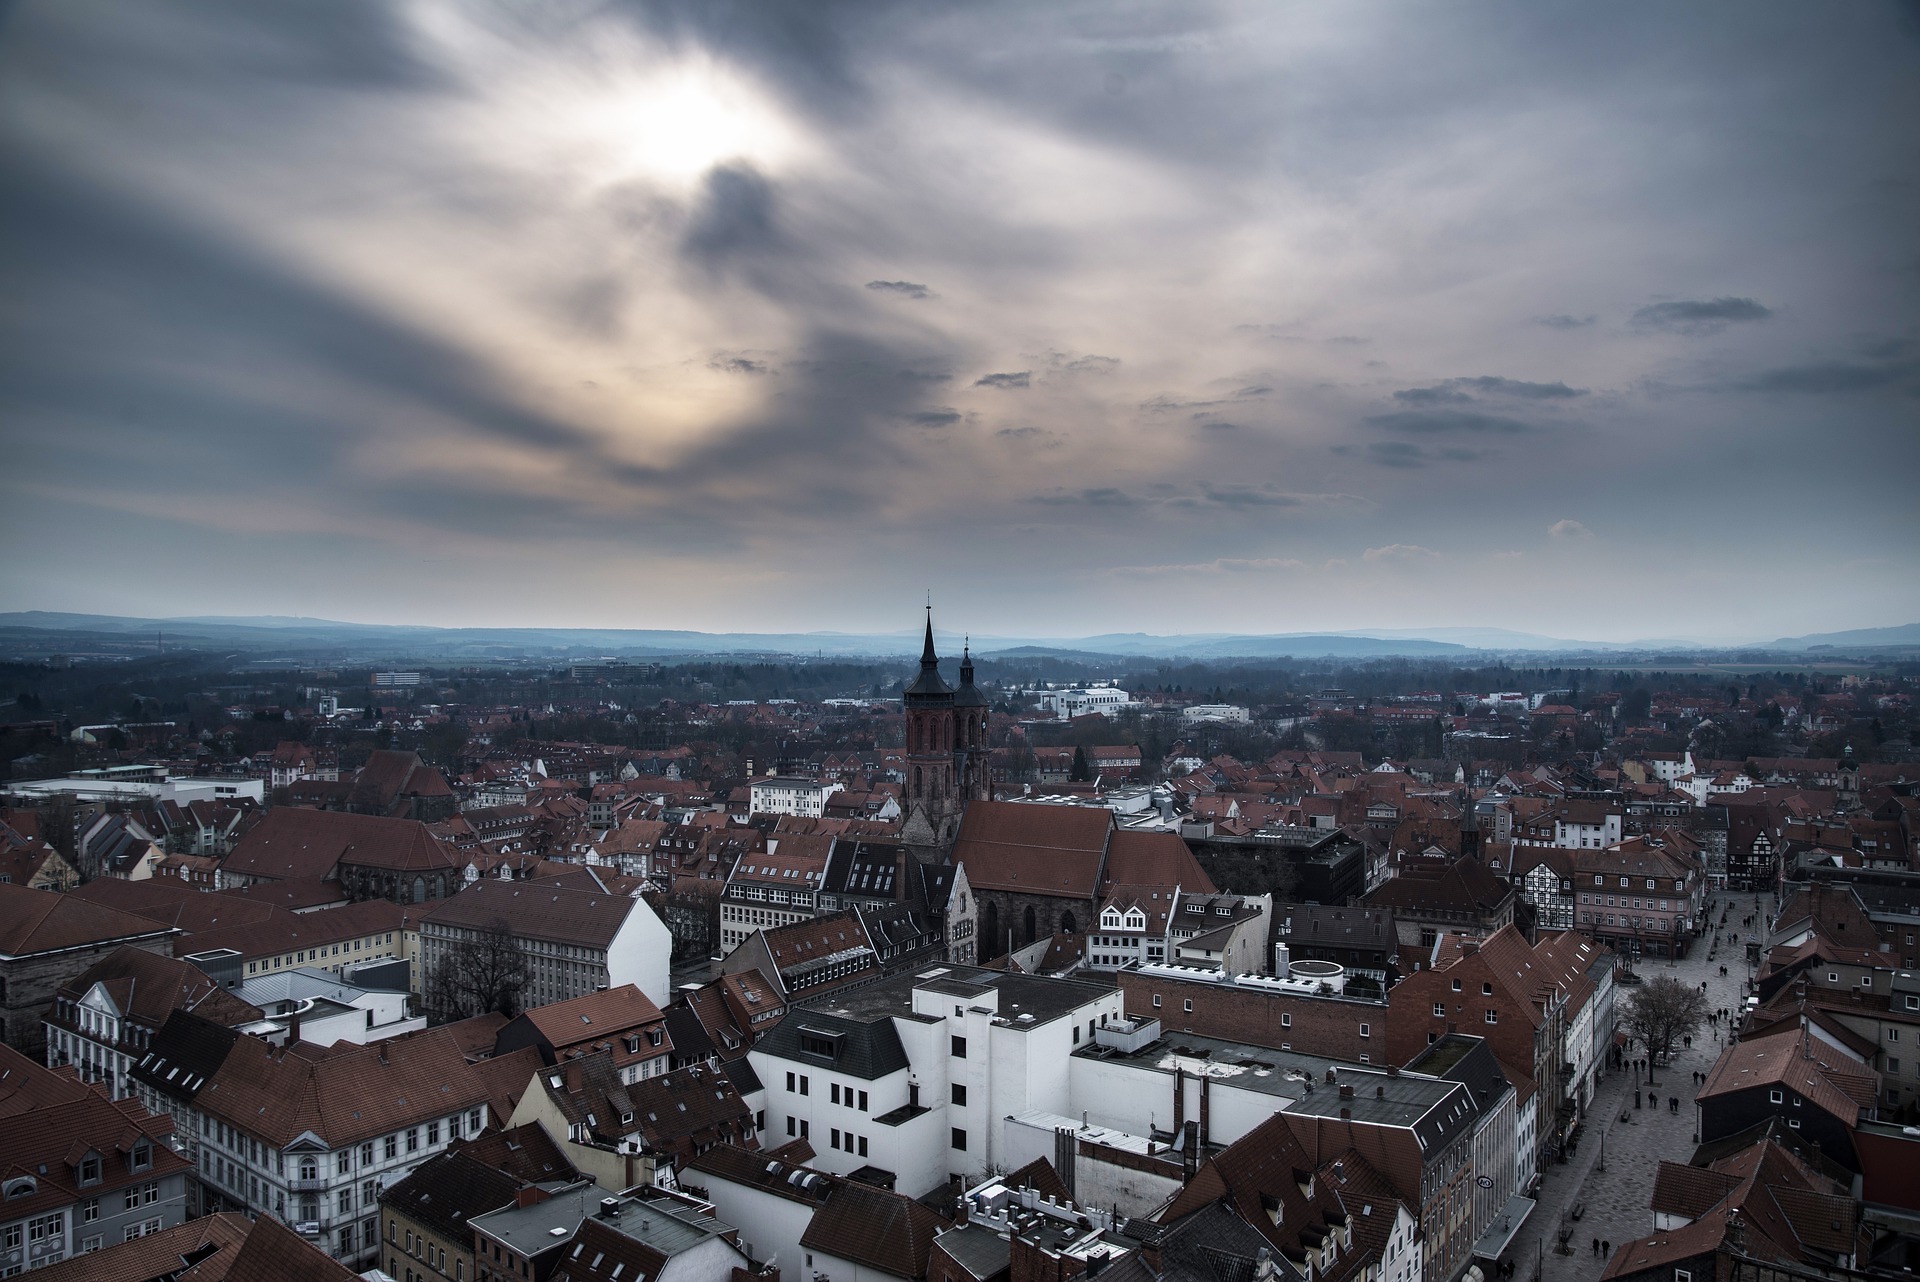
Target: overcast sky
x=1593 y=320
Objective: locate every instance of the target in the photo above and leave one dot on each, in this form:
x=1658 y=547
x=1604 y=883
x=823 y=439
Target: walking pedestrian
x=1606 y=1249
x=1596 y=1248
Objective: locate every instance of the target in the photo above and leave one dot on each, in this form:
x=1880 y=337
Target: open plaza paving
x=1610 y=1176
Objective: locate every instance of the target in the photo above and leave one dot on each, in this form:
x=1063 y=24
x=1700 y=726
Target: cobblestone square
x=1636 y=1141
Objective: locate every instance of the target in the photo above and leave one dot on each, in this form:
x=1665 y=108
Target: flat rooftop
x=1042 y=997
x=1435 y=1109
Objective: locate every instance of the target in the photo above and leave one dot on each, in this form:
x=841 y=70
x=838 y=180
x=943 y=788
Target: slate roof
x=867 y=1048
x=184 y=1055
x=447 y=1190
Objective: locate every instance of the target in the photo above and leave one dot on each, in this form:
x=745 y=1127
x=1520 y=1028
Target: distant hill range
x=37 y=632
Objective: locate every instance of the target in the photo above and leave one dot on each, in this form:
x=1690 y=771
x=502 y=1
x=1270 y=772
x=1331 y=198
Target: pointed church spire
x=927 y=656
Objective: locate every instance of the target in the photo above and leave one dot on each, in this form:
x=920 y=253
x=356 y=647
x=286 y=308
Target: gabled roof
x=295 y=844
x=1797 y=1061
x=345 y=1094
x=1034 y=848
x=45 y=921
x=184 y=1055
x=210 y=1242
x=593 y=1017
x=1155 y=859
x=147 y=987
x=873 y=1228
x=449 y=1189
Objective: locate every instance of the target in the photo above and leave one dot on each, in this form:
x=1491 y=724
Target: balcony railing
x=318 y=1184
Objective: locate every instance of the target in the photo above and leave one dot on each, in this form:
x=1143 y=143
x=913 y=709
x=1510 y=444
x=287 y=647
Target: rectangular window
x=959 y=1047
x=959 y=1139
x=1439 y=1009
x=958 y=1094
x=413 y=1139
x=1775 y=1097
x=791 y=1080
x=863 y=1101
x=1187 y=1005
x=392 y=1147
x=1156 y=1001
x=863 y=1146
x=1493 y=1017
x=803 y=1083
x=1366 y=1030
x=833 y=1141
x=1286 y=1019
x=833 y=1092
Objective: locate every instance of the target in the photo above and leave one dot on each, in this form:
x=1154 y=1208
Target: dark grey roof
x=864 y=1048
x=688 y=1034
x=1211 y=1245
x=979 y=1250
x=1469 y=1061
x=741 y=1074
x=862 y=868
x=184 y=1055
x=448 y=1190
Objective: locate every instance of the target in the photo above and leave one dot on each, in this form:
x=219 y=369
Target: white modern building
x=1067 y=704
x=914 y=1074
x=775 y=795
x=1223 y=712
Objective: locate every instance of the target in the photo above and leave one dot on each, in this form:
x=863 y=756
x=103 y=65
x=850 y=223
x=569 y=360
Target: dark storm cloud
x=1451 y=391
x=1694 y=316
x=936 y=418
x=1432 y=396
x=1828 y=378
x=733 y=222
x=1405 y=454
x=1248 y=496
x=1019 y=378
x=1447 y=422
x=1567 y=322
x=1096 y=496
x=904 y=288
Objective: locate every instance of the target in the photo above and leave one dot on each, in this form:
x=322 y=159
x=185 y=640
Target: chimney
x=609 y=1208
x=1179 y=1097
x=1379 y=1092
x=1206 y=1101
x=1346 y=1090
x=1393 y=1070
x=293 y=1029
x=1346 y=1115
x=532 y=1195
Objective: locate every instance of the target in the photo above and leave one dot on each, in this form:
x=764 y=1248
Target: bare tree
x=484 y=972
x=1663 y=1012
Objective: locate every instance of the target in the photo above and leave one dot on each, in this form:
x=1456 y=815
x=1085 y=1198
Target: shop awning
x=1505 y=1224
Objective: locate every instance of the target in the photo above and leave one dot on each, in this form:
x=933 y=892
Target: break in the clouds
x=362 y=309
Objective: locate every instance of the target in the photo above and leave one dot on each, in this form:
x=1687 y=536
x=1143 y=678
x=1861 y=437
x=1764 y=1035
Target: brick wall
x=1312 y=1025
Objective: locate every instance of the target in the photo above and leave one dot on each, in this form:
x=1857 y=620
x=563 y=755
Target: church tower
x=971 y=758
x=932 y=791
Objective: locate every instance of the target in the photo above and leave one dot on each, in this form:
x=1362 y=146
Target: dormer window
x=142 y=1155
x=90 y=1169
